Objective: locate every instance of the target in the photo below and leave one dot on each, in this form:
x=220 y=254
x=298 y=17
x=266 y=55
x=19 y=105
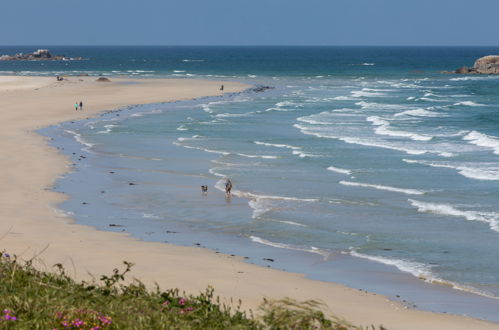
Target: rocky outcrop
x=484 y=65
x=39 y=55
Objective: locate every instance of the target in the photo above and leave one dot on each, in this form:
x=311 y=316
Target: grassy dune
x=32 y=299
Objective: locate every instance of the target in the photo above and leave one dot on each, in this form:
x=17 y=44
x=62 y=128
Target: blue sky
x=249 y=22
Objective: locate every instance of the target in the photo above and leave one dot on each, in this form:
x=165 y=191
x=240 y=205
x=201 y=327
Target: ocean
x=362 y=165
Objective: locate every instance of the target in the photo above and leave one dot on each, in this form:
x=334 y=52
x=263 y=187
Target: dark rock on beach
x=39 y=55
x=484 y=65
x=103 y=79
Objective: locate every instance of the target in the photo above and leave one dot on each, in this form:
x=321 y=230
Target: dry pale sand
x=31 y=226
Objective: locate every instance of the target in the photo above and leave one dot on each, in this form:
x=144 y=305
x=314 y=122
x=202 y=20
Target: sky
x=250 y=22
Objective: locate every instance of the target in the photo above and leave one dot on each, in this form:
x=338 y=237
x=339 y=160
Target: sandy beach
x=30 y=224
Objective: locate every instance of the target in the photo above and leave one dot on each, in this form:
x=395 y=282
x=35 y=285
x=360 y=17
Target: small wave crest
x=491 y=218
x=419 y=113
x=312 y=249
x=384 y=129
x=339 y=170
x=475 y=171
x=80 y=140
x=483 y=140
x=380 y=187
x=469 y=104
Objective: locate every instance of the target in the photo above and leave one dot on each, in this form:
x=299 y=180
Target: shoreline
x=37 y=228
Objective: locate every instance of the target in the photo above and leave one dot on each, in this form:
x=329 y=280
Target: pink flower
x=181 y=302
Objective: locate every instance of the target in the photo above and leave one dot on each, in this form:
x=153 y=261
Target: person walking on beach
x=81 y=105
x=222 y=87
x=76 y=106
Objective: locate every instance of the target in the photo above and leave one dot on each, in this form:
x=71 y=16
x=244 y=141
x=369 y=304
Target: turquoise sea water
x=364 y=166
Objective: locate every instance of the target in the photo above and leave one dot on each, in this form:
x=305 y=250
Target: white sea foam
x=372 y=105
x=260 y=206
x=380 y=187
x=182 y=128
x=483 y=140
x=206 y=108
x=491 y=218
x=192 y=60
x=203 y=149
x=257 y=156
x=309 y=120
x=419 y=270
x=220 y=185
x=288 y=104
x=366 y=93
x=339 y=170
x=419 y=113
x=213 y=172
x=368 y=64
x=343 y=98
x=469 y=104
x=277 y=145
x=384 y=129
x=415 y=268
x=150 y=216
x=80 y=140
x=367 y=143
x=292 y=223
x=475 y=171
x=303 y=154
x=108 y=129
x=178 y=71
x=468 y=78
x=311 y=249
x=233 y=115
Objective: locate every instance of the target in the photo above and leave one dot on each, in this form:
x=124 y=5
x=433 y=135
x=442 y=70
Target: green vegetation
x=31 y=299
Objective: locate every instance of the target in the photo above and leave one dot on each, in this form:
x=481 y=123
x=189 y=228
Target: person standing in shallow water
x=228 y=187
x=81 y=105
x=222 y=87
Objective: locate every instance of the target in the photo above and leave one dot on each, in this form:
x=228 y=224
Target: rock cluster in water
x=484 y=65
x=39 y=55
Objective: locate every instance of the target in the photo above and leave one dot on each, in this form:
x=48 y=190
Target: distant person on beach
x=81 y=105
x=222 y=87
x=76 y=106
x=228 y=187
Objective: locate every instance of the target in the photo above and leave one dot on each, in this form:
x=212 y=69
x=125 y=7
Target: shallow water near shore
x=368 y=174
